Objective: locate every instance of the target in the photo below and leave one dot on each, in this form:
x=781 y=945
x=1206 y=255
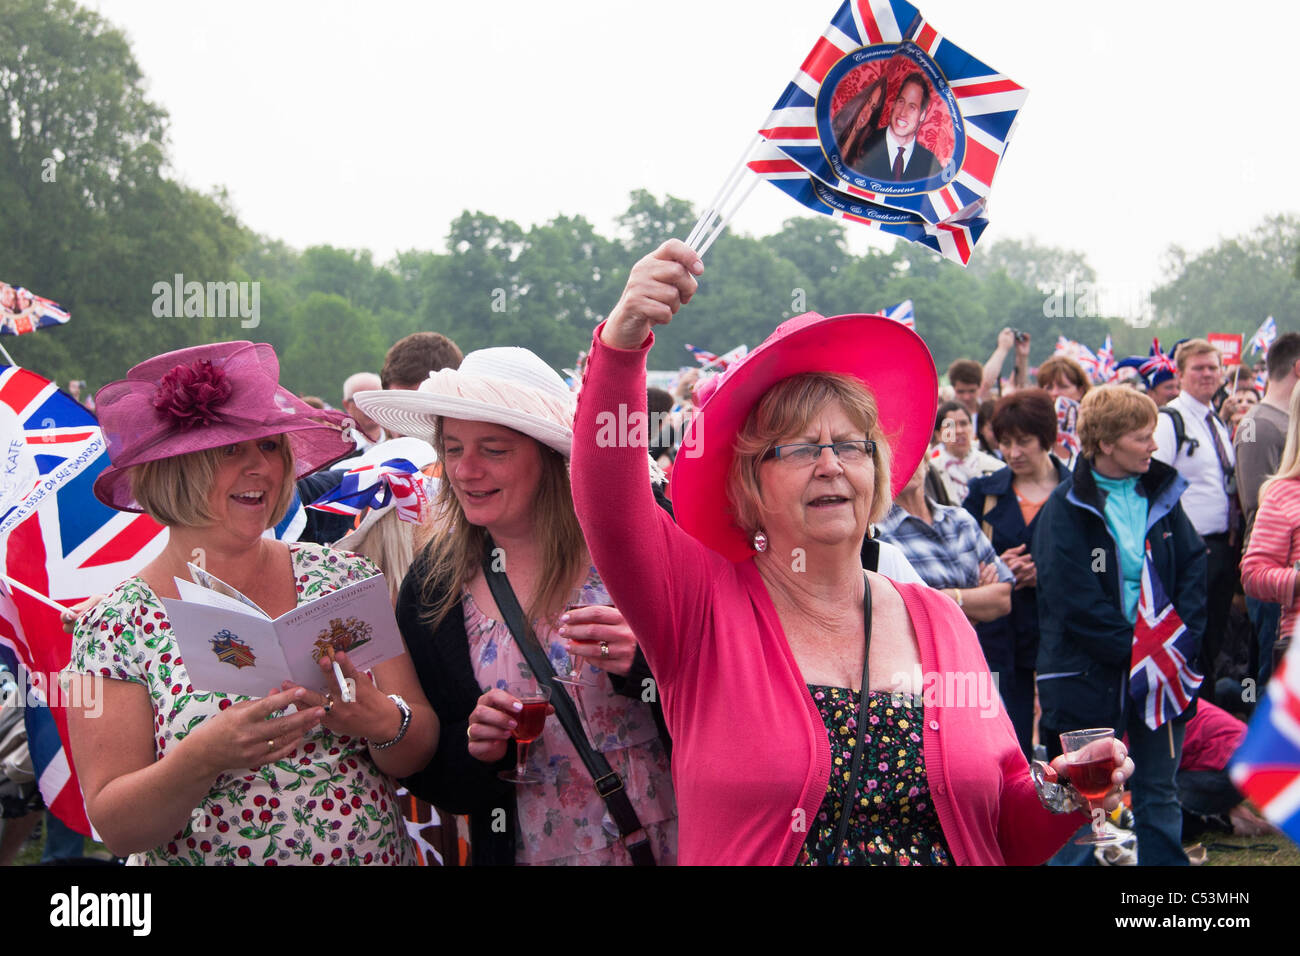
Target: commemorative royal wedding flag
x=886 y=109
x=231 y=645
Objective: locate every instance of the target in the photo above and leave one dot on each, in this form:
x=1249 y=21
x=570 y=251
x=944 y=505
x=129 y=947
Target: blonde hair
x=390 y=542
x=1190 y=349
x=174 y=491
x=1063 y=367
x=1289 y=466
x=455 y=552
x=783 y=411
x=1110 y=412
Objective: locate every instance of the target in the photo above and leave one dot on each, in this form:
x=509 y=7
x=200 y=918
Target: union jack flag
x=1155 y=365
x=953 y=240
x=1266 y=767
x=1106 y=367
x=22 y=311
x=374 y=486
x=982 y=103
x=703 y=356
x=1161 y=679
x=903 y=312
x=708 y=360
x=61 y=542
x=1080 y=353
x=1261 y=382
x=1264 y=336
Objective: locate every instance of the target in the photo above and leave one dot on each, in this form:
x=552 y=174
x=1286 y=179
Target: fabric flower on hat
x=190 y=394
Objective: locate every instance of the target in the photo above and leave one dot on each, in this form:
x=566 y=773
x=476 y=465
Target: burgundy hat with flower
x=206 y=397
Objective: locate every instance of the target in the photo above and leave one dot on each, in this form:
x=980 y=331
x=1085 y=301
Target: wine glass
x=529 y=722
x=580 y=597
x=1090 y=755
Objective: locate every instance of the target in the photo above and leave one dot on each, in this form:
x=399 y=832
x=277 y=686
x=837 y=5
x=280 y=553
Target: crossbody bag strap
x=855 y=768
x=608 y=783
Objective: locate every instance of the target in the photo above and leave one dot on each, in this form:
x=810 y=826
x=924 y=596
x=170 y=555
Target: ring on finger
x=469 y=733
x=604 y=648
x=270 y=745
x=329 y=703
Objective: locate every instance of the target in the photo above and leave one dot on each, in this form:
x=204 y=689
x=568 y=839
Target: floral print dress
x=326 y=804
x=894 y=822
x=563 y=821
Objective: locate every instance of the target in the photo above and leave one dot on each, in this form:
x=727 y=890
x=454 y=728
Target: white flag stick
x=36 y=594
x=722 y=225
x=724 y=192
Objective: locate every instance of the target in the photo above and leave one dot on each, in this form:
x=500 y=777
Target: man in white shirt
x=1205 y=458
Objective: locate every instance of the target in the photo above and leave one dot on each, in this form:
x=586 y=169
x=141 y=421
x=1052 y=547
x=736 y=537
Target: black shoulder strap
x=1180 y=432
x=608 y=783
x=871 y=554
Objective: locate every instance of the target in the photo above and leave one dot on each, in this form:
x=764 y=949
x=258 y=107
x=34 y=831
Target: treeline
x=93 y=221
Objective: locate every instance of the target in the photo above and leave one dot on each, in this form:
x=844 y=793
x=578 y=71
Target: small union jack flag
x=1266 y=767
x=1264 y=336
x=1106 y=368
x=1155 y=367
x=373 y=486
x=903 y=312
x=1161 y=679
x=1080 y=353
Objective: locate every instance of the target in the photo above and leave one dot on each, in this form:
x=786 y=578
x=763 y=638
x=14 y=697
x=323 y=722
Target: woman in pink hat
x=760 y=624
x=206 y=441
x=484 y=606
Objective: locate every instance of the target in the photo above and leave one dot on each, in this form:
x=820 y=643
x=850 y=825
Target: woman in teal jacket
x=1089 y=548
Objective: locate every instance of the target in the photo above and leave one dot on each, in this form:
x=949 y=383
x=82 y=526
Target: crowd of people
x=825 y=612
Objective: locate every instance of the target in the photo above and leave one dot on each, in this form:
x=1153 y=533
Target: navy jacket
x=1085 y=641
x=1010 y=642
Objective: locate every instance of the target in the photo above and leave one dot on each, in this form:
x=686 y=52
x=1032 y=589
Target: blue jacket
x=1009 y=642
x=1085 y=641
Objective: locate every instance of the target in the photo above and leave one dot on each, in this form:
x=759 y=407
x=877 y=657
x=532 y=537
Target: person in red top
x=758 y=620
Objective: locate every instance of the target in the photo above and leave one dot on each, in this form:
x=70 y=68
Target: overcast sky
x=373 y=125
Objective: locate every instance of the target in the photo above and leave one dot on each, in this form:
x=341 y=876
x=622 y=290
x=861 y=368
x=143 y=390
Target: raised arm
x=655 y=572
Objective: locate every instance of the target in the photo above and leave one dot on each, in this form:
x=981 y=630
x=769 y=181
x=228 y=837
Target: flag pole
x=722 y=225
x=8 y=358
x=724 y=192
x=36 y=594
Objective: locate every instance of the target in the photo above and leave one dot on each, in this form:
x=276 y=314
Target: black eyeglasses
x=805 y=453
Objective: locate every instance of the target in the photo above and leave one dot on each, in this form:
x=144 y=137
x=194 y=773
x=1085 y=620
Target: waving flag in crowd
x=903 y=312
x=60 y=541
x=708 y=359
x=1264 y=336
x=1266 y=767
x=880 y=66
x=1080 y=353
x=967 y=112
x=1106 y=367
x=1161 y=680
x=1155 y=367
x=21 y=311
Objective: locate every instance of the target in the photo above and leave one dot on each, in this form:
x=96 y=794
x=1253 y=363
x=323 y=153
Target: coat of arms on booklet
x=233 y=646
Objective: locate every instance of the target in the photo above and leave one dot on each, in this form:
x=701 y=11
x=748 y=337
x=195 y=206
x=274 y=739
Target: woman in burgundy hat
x=207 y=442
x=757 y=617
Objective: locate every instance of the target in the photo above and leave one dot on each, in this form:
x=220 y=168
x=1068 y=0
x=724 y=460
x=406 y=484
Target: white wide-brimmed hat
x=505 y=386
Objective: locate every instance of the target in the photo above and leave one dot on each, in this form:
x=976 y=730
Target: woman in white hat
x=502 y=426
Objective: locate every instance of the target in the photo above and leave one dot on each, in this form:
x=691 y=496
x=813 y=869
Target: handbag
x=608 y=783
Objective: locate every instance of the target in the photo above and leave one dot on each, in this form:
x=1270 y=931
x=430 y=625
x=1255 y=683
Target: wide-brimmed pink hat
x=885 y=355
x=206 y=397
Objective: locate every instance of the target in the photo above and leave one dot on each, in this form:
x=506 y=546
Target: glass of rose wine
x=1090 y=755
x=580 y=597
x=529 y=723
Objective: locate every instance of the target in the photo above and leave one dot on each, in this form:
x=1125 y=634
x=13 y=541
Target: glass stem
x=521 y=758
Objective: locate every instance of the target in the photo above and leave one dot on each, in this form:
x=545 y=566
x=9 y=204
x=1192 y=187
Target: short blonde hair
x=1109 y=413
x=1192 y=348
x=174 y=491
x=1063 y=367
x=783 y=411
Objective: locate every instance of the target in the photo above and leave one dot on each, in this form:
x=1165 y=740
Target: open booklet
x=231 y=645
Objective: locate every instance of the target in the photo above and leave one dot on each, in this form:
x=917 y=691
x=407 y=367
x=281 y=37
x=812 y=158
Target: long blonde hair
x=1289 y=467
x=454 y=556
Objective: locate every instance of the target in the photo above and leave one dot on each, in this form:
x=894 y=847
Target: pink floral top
x=563 y=820
x=327 y=803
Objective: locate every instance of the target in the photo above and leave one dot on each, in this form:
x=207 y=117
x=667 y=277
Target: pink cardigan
x=751 y=759
x=1268 y=566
